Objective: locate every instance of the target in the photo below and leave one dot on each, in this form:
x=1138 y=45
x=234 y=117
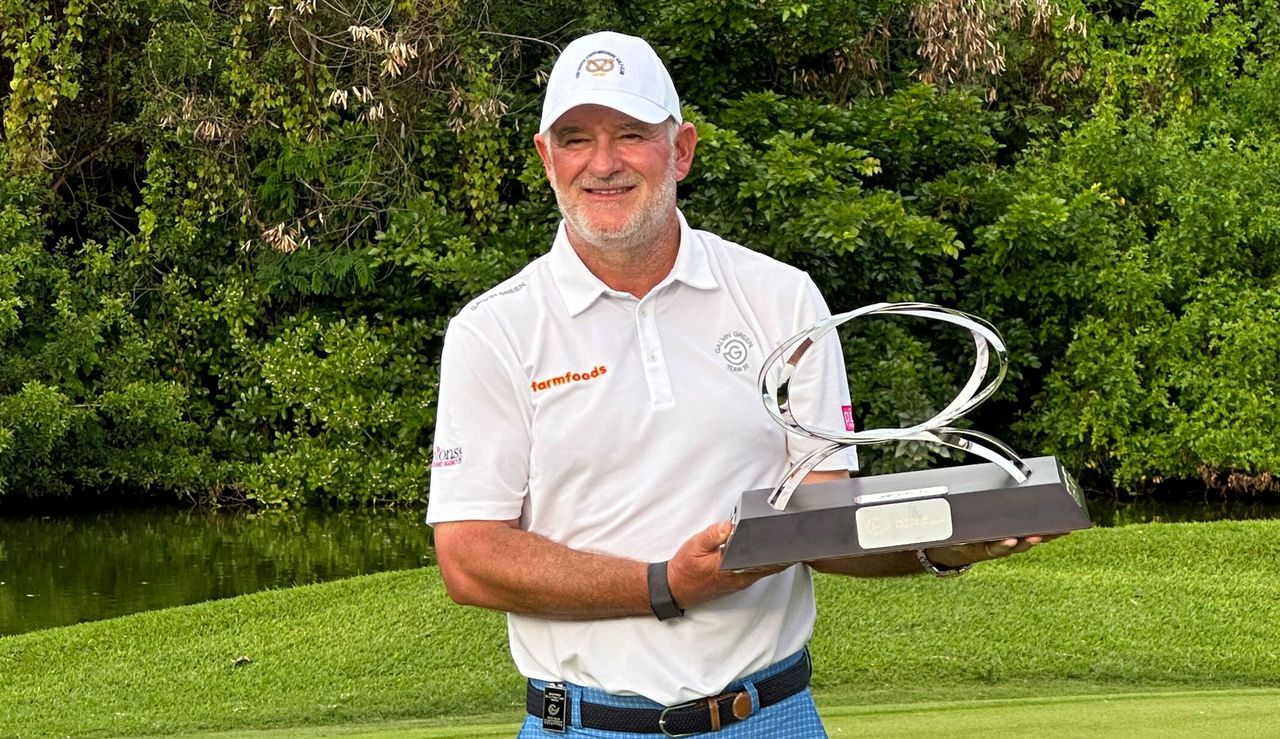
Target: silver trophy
x=1002 y=498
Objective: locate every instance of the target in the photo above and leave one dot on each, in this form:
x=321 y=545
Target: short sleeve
x=480 y=456
x=820 y=388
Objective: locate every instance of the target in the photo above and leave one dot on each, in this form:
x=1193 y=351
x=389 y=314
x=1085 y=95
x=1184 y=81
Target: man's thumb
x=715 y=535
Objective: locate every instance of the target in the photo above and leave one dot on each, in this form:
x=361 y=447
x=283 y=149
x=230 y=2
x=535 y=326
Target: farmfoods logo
x=567 y=378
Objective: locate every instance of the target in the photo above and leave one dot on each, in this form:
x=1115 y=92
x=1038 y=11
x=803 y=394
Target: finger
x=761 y=571
x=1001 y=548
x=1006 y=547
x=714 y=536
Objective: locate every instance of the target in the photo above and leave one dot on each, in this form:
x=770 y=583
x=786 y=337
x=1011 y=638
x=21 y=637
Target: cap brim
x=642 y=109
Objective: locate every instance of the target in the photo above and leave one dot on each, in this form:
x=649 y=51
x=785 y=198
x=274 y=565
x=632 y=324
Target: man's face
x=614 y=176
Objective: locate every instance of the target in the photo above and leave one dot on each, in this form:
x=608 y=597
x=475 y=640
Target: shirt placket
x=655 y=362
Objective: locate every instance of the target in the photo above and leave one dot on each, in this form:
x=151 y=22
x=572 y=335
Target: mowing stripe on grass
x=1174 y=715
x=1177 y=715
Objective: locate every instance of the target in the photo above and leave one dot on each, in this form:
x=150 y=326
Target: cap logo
x=600 y=63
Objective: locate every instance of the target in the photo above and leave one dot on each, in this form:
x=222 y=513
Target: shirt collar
x=579 y=287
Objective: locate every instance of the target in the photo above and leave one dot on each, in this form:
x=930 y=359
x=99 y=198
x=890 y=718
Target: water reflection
x=1124 y=511
x=62 y=570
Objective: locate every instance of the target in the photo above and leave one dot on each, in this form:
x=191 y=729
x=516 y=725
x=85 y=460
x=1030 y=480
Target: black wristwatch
x=660 y=599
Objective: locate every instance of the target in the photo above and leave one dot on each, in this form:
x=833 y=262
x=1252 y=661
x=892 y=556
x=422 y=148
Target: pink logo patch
x=848 y=417
x=447 y=457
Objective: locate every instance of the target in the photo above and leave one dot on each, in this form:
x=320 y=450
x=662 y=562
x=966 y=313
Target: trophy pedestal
x=902 y=511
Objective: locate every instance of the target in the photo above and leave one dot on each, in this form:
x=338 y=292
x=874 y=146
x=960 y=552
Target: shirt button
x=653 y=356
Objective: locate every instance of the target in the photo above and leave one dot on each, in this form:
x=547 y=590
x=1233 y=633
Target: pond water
x=57 y=570
x=64 y=569
x=1130 y=510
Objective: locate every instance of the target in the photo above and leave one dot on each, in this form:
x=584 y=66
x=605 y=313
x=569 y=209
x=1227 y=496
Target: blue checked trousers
x=793 y=718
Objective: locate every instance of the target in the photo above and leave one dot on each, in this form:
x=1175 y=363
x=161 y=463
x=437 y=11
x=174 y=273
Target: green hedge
x=231 y=234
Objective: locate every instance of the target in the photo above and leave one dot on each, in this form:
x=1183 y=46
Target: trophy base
x=905 y=510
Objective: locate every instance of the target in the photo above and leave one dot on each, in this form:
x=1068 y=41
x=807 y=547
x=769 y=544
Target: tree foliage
x=231 y=233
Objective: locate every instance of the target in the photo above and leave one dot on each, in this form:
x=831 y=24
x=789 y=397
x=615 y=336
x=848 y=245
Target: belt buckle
x=662 y=717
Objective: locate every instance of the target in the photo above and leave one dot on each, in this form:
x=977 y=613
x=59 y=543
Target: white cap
x=614 y=70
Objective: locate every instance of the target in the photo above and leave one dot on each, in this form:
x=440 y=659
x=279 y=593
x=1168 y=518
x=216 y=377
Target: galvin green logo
x=735 y=348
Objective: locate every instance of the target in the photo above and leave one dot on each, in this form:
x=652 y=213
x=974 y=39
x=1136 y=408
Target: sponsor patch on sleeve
x=849 y=424
x=446 y=457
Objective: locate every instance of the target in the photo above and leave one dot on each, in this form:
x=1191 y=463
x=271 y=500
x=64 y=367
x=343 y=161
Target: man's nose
x=604 y=159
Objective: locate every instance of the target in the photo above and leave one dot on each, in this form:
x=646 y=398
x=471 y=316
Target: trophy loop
x=988 y=345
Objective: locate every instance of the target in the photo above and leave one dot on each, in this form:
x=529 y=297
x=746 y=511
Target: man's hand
x=694 y=572
x=963 y=554
x=905 y=563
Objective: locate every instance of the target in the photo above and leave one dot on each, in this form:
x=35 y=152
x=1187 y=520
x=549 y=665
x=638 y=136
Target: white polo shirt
x=623 y=427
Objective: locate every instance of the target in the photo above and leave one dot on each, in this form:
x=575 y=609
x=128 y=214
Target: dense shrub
x=1148 y=258
x=231 y=233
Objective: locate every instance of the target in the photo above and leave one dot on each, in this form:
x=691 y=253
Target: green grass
x=1174 y=607
x=1178 y=715
x=1195 y=605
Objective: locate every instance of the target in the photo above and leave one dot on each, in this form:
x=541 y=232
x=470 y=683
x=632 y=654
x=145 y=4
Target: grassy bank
x=1187 y=606
x=1251 y=713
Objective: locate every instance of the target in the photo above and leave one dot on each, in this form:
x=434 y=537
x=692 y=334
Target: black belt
x=694 y=717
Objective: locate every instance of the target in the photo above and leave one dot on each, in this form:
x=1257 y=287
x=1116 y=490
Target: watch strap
x=660 y=598
x=937 y=570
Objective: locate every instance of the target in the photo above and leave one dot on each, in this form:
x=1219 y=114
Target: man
x=598 y=420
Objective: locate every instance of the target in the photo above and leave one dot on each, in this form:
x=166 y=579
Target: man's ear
x=544 y=152
x=685 y=143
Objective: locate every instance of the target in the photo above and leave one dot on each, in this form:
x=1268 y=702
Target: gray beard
x=638 y=234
